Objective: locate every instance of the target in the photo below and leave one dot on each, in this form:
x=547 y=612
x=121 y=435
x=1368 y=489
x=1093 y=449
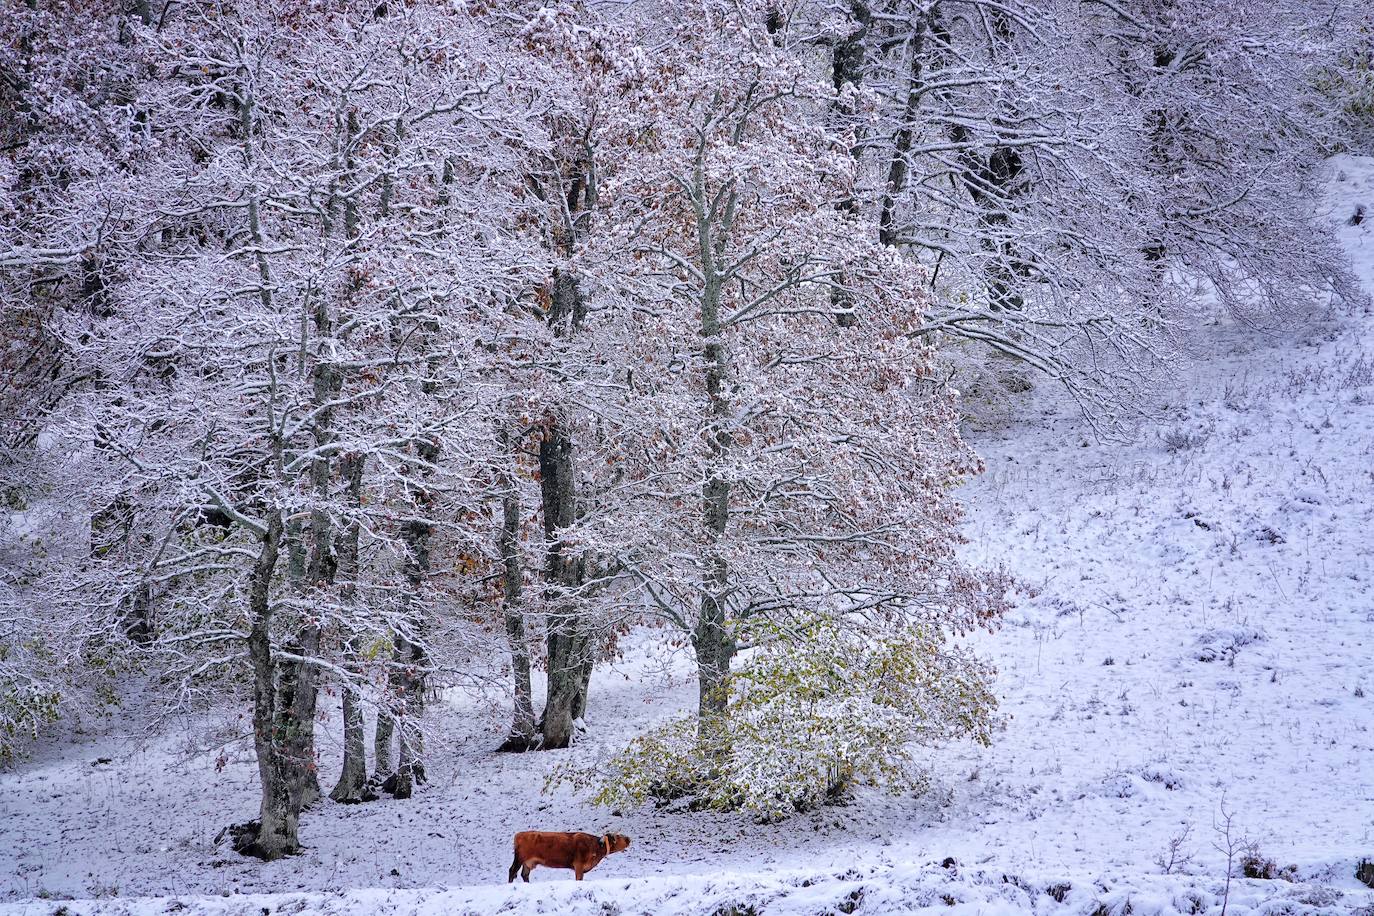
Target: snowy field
x=1196 y=640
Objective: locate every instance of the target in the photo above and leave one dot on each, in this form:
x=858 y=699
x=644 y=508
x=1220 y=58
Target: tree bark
x=567 y=643
x=284 y=691
x=330 y=562
x=352 y=784
x=410 y=685
x=275 y=833
x=410 y=657
x=410 y=768
x=111 y=533
x=410 y=772
x=522 y=730
x=381 y=745
x=293 y=681
x=584 y=679
x=711 y=639
x=296 y=693
x=563 y=574
x=311 y=567
x=897 y=167
x=847 y=67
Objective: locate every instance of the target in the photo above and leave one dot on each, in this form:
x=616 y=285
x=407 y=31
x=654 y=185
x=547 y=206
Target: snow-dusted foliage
x=1069 y=171
x=1348 y=83
x=27 y=701
x=820 y=706
x=68 y=126
x=302 y=295
x=781 y=463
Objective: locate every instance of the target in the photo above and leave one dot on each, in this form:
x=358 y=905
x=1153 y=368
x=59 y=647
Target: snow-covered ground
x=1197 y=640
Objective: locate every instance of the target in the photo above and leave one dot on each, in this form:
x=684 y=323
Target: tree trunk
x=410 y=658
x=381 y=745
x=275 y=833
x=352 y=784
x=281 y=740
x=567 y=643
x=296 y=693
x=296 y=687
x=901 y=144
x=328 y=382
x=295 y=683
x=563 y=574
x=712 y=641
x=847 y=67
x=584 y=681
x=991 y=183
x=522 y=730
x=714 y=650
x=410 y=768
x=112 y=533
x=321 y=568
x=567 y=700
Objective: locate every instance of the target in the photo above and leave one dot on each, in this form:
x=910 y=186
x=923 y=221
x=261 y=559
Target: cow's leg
x=577 y=870
x=525 y=873
x=514 y=867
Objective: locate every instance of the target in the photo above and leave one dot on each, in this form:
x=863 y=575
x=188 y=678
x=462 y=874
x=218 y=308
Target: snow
x=910 y=890
x=1194 y=636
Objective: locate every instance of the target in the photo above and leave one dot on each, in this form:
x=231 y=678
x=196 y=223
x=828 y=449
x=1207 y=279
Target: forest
x=418 y=389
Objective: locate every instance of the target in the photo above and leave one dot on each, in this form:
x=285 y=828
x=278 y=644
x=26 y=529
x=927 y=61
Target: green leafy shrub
x=811 y=712
x=26 y=702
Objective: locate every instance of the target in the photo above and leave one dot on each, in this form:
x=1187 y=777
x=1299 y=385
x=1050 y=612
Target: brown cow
x=579 y=851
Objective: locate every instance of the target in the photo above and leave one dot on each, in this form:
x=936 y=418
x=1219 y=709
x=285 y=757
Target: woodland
x=357 y=354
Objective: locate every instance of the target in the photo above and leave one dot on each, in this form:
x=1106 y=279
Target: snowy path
x=1202 y=636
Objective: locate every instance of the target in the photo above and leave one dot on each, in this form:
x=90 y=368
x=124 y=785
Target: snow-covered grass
x=1195 y=639
x=881 y=890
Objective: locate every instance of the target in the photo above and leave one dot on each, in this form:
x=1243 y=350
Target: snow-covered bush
x=27 y=701
x=1349 y=83
x=1181 y=439
x=1225 y=643
x=818 y=708
x=1255 y=864
x=35 y=681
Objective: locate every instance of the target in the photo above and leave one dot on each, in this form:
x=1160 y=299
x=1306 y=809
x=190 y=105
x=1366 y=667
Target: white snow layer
x=909 y=890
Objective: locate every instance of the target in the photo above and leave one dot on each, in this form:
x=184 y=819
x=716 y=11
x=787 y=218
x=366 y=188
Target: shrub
x=1254 y=864
x=814 y=710
x=27 y=701
x=1349 y=83
x=1180 y=439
